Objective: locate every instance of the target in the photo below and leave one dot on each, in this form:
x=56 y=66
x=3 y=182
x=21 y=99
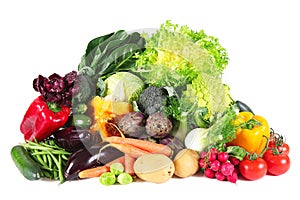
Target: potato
x=155 y=168
x=186 y=163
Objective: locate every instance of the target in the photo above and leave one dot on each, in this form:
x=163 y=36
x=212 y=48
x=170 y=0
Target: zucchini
x=25 y=163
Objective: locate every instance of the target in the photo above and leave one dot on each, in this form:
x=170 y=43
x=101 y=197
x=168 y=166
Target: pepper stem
x=55 y=107
x=250 y=124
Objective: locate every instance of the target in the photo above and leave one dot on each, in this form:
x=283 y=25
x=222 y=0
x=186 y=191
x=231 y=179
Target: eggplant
x=73 y=138
x=88 y=157
x=174 y=143
x=243 y=107
x=108 y=154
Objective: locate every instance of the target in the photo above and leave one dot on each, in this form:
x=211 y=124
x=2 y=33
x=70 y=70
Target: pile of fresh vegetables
x=149 y=107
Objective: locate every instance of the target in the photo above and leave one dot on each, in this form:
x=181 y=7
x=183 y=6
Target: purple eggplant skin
x=85 y=158
x=80 y=160
x=108 y=154
x=173 y=142
x=72 y=138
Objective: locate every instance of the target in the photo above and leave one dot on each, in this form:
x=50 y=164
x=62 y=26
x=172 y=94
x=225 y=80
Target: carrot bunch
x=132 y=149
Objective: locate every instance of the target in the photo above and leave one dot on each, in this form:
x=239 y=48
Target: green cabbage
x=124 y=86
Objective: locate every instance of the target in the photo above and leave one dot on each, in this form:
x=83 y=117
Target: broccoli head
x=152 y=99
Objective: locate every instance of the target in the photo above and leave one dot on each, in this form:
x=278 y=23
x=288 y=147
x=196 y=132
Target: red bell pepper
x=42 y=119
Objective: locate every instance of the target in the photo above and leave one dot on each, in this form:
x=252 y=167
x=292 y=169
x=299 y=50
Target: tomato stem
x=253 y=156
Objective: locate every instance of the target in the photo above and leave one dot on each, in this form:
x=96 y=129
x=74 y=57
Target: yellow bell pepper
x=252 y=134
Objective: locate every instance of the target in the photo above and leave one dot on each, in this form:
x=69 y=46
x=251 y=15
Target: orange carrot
x=97 y=171
x=128 y=164
x=93 y=172
x=131 y=150
x=151 y=147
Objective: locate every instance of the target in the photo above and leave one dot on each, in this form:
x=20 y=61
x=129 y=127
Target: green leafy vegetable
x=104 y=56
x=220 y=132
x=211 y=44
x=124 y=86
x=174 y=58
x=237 y=152
x=192 y=63
x=110 y=53
x=223 y=130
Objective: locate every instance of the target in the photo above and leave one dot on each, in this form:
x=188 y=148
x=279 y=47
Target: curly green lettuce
x=189 y=61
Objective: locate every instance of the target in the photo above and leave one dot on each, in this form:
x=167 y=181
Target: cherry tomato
x=277 y=163
x=253 y=169
x=284 y=148
x=278 y=141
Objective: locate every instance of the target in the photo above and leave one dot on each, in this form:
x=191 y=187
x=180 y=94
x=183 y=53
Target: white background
x=262 y=40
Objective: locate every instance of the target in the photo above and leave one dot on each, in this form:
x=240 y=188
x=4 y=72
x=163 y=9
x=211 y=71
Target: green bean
x=55 y=174
x=45 y=158
x=60 y=168
x=47 y=168
x=51 y=157
x=57 y=152
x=40 y=160
x=54 y=159
x=47 y=174
x=63 y=156
x=50 y=163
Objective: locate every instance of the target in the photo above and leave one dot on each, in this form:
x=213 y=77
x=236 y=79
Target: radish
x=227 y=168
x=220 y=176
x=209 y=173
x=233 y=177
x=223 y=156
x=203 y=164
x=215 y=165
x=234 y=160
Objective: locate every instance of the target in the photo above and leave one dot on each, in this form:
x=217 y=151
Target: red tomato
x=284 y=148
x=253 y=169
x=267 y=153
x=278 y=141
x=277 y=163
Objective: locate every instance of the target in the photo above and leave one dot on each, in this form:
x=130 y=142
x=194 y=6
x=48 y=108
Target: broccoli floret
x=152 y=99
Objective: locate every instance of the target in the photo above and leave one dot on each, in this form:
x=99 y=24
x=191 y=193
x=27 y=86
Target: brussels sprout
x=108 y=178
x=124 y=178
x=117 y=168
